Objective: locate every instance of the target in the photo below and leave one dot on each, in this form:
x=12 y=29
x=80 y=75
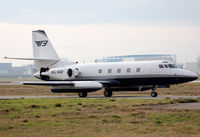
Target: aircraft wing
x=48 y=83
x=68 y=83
x=75 y=84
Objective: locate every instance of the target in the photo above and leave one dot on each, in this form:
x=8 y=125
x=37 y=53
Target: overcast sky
x=83 y=30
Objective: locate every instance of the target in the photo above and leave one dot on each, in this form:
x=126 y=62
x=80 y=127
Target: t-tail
x=43 y=51
x=44 y=54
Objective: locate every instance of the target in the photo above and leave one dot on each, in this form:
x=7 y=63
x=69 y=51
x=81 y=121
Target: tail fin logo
x=42 y=43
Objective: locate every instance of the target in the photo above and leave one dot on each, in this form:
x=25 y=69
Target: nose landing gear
x=154 y=94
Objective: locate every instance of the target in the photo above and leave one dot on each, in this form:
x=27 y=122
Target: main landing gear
x=82 y=94
x=107 y=92
x=154 y=93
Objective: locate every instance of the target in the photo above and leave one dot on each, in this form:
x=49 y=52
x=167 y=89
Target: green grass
x=95 y=117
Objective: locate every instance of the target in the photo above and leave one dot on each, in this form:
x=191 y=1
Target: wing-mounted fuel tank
x=79 y=86
x=62 y=73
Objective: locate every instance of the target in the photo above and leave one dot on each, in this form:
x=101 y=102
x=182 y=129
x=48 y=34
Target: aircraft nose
x=195 y=76
x=191 y=75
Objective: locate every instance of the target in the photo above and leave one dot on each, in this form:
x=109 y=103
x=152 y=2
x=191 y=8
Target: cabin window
x=109 y=70
x=59 y=71
x=161 y=66
x=118 y=70
x=128 y=70
x=53 y=72
x=138 y=70
x=166 y=66
x=100 y=70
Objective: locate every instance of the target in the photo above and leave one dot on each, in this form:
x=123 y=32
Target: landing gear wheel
x=107 y=93
x=154 y=94
x=82 y=94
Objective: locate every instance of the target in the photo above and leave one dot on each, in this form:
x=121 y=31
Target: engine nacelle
x=42 y=74
x=72 y=73
x=63 y=73
x=79 y=86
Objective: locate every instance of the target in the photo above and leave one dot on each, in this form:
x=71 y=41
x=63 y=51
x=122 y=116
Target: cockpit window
x=172 y=66
x=161 y=66
x=166 y=66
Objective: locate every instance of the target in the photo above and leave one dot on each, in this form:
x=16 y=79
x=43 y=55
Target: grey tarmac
x=96 y=97
x=190 y=106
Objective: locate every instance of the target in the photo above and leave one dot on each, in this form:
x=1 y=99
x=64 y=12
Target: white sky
x=90 y=29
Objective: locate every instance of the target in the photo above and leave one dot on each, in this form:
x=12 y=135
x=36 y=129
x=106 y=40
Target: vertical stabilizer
x=43 y=49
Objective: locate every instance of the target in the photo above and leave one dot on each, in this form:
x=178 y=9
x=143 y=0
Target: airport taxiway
x=96 y=97
x=195 y=105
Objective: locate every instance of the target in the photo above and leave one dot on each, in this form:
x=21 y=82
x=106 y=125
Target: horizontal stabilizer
x=41 y=59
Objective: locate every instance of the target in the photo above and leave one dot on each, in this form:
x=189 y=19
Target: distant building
x=5 y=68
x=169 y=57
x=8 y=71
x=192 y=66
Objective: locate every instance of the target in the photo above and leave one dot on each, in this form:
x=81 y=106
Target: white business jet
x=65 y=76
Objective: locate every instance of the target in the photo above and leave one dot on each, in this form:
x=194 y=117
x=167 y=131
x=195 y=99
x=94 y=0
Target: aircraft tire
x=154 y=94
x=82 y=94
x=107 y=93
